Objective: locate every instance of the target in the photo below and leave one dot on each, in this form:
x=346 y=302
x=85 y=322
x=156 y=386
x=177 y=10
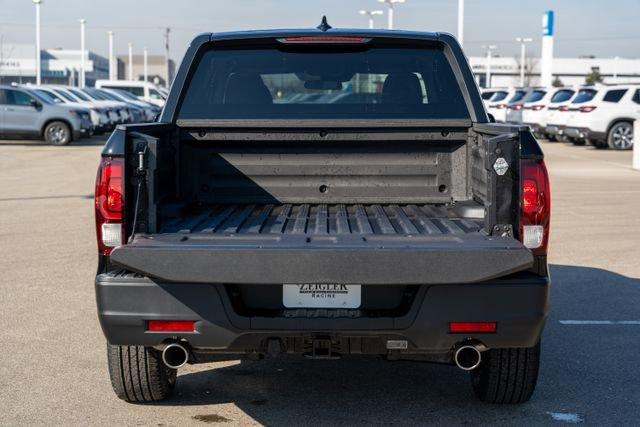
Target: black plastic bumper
x=126 y=302
x=585 y=133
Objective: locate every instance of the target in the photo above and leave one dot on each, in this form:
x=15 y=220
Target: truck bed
x=326 y=219
x=318 y=243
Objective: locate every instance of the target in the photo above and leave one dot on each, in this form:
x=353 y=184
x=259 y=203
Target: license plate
x=321 y=295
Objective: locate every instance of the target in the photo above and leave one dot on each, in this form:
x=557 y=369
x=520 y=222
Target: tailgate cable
x=141 y=174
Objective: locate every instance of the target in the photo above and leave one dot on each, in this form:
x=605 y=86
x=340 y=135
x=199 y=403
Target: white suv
x=558 y=122
x=607 y=120
x=534 y=105
x=497 y=104
x=538 y=115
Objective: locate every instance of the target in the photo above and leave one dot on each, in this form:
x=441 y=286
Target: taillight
x=535 y=206
x=516 y=107
x=587 y=109
x=501 y=106
x=109 y=204
x=563 y=108
x=537 y=107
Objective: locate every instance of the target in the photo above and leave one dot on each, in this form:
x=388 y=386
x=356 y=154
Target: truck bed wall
x=324 y=172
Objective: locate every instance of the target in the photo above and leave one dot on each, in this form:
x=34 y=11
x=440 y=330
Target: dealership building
x=59 y=66
x=505 y=71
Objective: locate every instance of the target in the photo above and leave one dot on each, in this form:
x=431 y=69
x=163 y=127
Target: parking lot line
x=600 y=322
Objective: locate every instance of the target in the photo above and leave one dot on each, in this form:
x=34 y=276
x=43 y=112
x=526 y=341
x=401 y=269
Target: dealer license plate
x=321 y=295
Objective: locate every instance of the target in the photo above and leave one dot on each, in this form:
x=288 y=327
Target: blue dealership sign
x=547 y=23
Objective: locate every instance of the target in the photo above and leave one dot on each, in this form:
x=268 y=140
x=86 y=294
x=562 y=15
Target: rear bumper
x=584 y=133
x=126 y=302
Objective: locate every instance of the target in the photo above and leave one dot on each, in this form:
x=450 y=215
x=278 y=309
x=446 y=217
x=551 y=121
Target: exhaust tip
x=175 y=356
x=467 y=357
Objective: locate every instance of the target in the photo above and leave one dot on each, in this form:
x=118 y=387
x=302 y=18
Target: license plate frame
x=321 y=295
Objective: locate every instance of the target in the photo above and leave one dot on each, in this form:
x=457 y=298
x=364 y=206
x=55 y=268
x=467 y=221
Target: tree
x=557 y=82
x=593 y=77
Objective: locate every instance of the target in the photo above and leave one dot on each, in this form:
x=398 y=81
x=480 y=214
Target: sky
x=604 y=28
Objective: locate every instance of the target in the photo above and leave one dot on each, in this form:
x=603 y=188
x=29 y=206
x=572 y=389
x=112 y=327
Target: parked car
x=515 y=105
x=607 y=119
x=497 y=104
x=247 y=228
x=99 y=118
x=129 y=112
x=145 y=91
x=113 y=118
x=558 y=103
x=556 y=125
x=150 y=111
x=534 y=107
x=121 y=109
x=26 y=113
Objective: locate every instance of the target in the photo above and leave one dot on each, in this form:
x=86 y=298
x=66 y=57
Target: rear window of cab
x=281 y=82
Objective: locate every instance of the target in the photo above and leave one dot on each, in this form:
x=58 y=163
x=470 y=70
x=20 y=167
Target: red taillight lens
x=535 y=206
x=472 y=327
x=587 y=109
x=171 y=326
x=501 y=106
x=516 y=107
x=537 y=107
x=563 y=108
x=109 y=204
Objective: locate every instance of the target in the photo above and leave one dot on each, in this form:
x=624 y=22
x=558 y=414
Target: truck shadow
x=369 y=390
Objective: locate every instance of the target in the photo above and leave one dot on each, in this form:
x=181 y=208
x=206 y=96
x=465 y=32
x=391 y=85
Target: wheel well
x=619 y=120
x=65 y=121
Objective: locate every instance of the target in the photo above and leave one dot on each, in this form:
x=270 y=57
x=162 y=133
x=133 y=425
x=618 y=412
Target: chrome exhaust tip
x=175 y=355
x=467 y=357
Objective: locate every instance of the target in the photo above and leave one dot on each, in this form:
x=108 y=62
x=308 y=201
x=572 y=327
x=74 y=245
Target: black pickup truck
x=325 y=193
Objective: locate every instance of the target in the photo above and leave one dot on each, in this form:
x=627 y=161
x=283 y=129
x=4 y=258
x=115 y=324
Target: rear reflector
x=472 y=327
x=323 y=39
x=171 y=325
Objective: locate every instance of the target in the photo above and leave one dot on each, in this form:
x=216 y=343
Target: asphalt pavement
x=53 y=363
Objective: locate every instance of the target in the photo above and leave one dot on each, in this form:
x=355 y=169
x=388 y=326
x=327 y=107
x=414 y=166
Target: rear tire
x=621 y=136
x=138 y=374
x=507 y=375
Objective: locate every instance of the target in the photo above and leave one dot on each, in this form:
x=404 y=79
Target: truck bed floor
x=323 y=219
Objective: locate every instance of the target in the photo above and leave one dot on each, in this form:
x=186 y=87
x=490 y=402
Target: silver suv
x=25 y=113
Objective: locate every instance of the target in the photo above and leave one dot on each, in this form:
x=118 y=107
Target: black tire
x=507 y=375
x=620 y=136
x=578 y=141
x=138 y=374
x=57 y=133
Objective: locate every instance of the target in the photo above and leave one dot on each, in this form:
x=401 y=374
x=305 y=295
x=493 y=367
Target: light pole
x=371 y=14
x=130 y=67
x=145 y=65
x=461 y=22
x=82 y=49
x=38 y=59
x=523 y=55
x=167 y=31
x=488 y=69
x=390 y=3
x=112 y=74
